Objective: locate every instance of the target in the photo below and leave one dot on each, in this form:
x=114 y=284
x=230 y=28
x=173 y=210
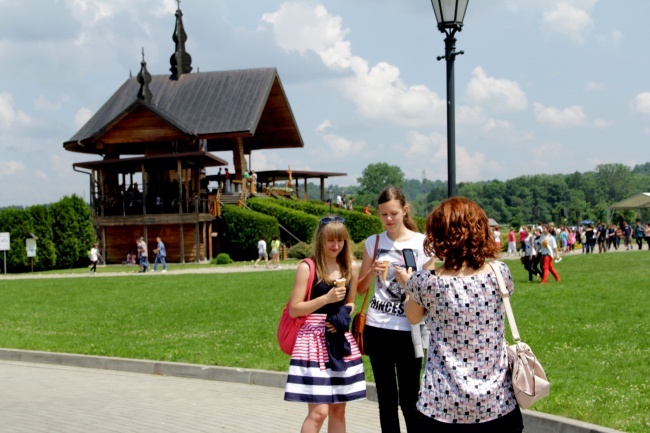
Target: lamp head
x=449 y=13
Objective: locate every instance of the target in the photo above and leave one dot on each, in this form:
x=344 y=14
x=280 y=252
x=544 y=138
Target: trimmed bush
x=240 y=230
x=300 y=251
x=302 y=225
x=360 y=225
x=222 y=259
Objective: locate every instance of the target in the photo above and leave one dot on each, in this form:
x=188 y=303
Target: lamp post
x=330 y=194
x=450 y=15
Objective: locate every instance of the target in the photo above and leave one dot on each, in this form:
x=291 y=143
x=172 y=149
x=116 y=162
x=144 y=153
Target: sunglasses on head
x=327 y=220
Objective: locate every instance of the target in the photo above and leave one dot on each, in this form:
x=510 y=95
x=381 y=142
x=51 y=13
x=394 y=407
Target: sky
x=544 y=86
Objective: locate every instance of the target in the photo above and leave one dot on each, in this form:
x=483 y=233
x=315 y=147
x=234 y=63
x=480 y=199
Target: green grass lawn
x=591 y=331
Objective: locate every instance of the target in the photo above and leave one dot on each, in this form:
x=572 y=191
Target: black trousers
x=397 y=376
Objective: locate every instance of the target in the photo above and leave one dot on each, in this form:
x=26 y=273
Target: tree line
x=65 y=229
x=561 y=198
x=64 y=232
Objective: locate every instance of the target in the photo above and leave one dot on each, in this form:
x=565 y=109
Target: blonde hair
x=326 y=232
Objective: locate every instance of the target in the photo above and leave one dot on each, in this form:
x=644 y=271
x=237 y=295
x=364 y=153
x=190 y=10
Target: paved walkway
x=40 y=398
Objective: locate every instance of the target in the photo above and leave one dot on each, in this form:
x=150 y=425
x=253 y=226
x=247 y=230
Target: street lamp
x=330 y=194
x=450 y=15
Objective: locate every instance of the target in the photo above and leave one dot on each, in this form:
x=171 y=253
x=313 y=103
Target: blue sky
x=544 y=86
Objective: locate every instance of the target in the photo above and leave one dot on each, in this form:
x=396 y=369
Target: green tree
x=376 y=177
x=614 y=180
x=42 y=224
x=72 y=231
x=17 y=223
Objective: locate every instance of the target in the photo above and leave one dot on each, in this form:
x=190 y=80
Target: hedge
x=302 y=225
x=360 y=225
x=241 y=229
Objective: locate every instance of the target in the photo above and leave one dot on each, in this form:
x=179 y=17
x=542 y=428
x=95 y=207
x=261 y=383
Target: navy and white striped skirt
x=309 y=379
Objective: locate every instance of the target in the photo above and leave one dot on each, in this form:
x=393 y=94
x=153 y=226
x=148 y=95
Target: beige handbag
x=528 y=377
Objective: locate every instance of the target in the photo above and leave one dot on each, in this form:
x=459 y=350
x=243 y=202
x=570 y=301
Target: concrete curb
x=535 y=422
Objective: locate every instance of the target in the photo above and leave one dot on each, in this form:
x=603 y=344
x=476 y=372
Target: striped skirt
x=310 y=380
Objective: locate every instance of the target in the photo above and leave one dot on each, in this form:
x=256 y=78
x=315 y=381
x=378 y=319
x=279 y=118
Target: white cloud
x=8 y=169
x=602 y=123
x=378 y=92
x=43 y=104
x=431 y=152
x=543 y=153
x=570 y=116
x=82 y=116
x=594 y=86
x=616 y=37
x=496 y=93
x=570 y=18
x=641 y=103
x=338 y=147
x=9 y=115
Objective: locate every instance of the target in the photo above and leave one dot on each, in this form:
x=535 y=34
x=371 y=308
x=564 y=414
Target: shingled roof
x=220 y=107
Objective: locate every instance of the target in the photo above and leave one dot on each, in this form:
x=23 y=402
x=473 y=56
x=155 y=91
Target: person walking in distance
x=161 y=254
x=639 y=234
x=142 y=252
x=547 y=251
x=261 y=252
x=94 y=258
x=275 y=251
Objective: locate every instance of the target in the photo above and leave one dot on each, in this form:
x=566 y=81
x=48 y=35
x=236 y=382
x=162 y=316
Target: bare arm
x=414 y=313
x=349 y=300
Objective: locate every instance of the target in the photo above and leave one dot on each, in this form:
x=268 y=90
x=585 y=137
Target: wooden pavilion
x=161 y=130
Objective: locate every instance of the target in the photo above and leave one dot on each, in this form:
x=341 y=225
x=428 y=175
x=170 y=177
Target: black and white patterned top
x=466 y=376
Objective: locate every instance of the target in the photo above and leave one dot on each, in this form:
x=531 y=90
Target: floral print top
x=466 y=377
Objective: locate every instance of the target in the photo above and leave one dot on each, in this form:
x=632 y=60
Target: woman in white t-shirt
x=395 y=351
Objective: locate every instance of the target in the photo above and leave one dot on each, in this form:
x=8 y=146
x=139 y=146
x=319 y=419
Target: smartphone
x=409 y=259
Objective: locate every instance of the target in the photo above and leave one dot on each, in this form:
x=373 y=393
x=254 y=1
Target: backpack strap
x=312 y=275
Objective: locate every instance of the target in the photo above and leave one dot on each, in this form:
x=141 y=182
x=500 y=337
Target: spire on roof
x=144 y=78
x=181 y=61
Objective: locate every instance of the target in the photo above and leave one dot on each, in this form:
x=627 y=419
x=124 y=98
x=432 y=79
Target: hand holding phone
x=409 y=259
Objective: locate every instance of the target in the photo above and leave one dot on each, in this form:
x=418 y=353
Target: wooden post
x=239 y=159
x=180 y=188
x=104 y=243
x=210 y=239
x=182 y=244
x=144 y=190
x=196 y=230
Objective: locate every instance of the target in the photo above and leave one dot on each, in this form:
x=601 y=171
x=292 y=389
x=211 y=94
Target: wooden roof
x=280 y=175
x=134 y=165
x=220 y=107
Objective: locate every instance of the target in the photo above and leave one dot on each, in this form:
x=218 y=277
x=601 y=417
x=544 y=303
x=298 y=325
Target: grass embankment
x=590 y=330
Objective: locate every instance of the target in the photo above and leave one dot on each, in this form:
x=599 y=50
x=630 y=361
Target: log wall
x=120 y=240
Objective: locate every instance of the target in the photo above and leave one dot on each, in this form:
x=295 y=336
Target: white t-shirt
x=93 y=254
x=386 y=309
x=548 y=245
x=261 y=247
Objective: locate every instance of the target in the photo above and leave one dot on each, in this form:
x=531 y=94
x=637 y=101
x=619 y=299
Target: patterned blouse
x=466 y=376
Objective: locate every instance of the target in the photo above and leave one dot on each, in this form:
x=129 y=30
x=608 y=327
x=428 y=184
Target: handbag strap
x=374 y=257
x=312 y=275
x=505 y=297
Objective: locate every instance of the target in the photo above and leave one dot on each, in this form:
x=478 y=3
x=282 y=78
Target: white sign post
x=30 y=248
x=5 y=245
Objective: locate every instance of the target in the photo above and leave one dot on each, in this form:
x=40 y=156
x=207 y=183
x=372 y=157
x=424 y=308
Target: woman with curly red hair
x=466 y=386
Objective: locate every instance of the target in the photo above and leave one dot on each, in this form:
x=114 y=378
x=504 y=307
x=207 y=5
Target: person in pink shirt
x=523 y=234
